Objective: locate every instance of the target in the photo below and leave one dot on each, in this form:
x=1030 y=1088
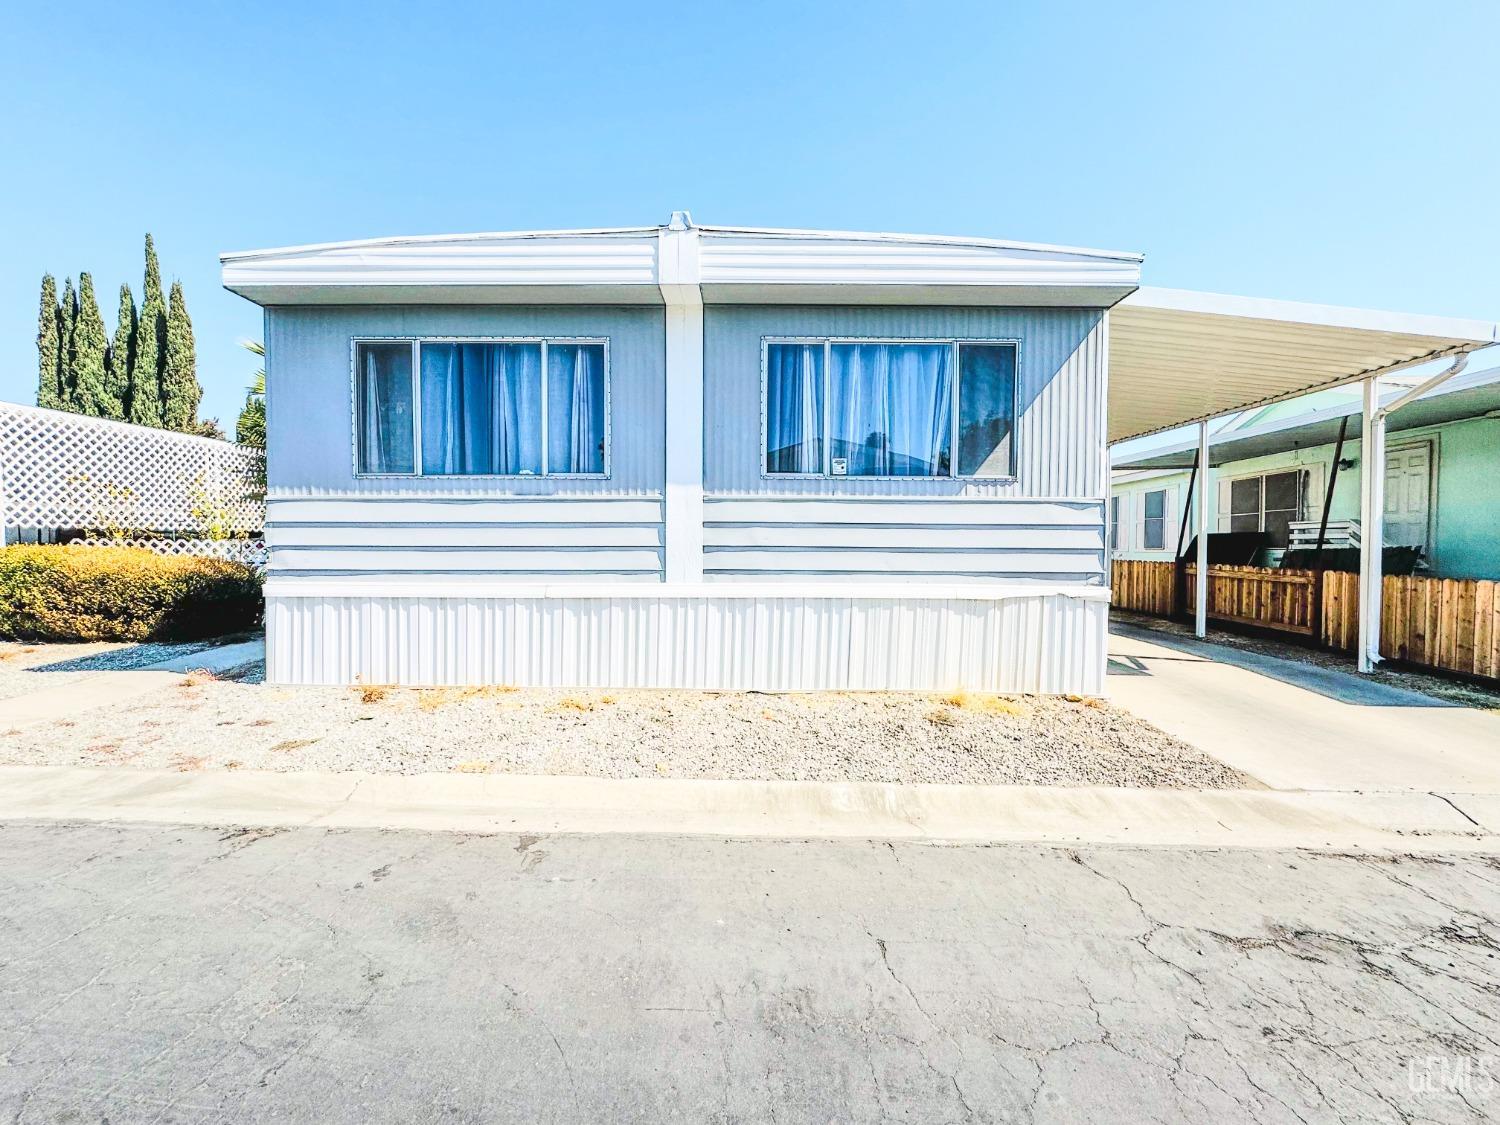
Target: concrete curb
x=1399 y=821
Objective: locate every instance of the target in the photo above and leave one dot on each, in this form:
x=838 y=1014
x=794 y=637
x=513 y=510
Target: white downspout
x=1371 y=524
x=1200 y=616
x=1372 y=506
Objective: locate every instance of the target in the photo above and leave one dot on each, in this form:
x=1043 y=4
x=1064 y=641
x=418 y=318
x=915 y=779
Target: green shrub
x=122 y=594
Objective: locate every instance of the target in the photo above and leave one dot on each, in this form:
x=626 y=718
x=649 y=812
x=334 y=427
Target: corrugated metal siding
x=1048 y=644
x=1061 y=390
x=310 y=425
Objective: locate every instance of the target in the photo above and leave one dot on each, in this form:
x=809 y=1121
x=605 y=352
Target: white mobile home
x=700 y=457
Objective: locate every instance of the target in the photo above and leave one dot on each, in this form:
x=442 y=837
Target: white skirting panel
x=1023 y=641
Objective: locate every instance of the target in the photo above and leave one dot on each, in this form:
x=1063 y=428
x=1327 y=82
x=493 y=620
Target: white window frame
x=1168 y=510
x=952 y=342
x=1116 y=518
x=416 y=343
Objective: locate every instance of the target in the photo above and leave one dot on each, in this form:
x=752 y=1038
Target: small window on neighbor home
x=862 y=408
x=1154 y=521
x=487 y=408
x=1283 y=504
x=1114 y=523
x=1267 y=503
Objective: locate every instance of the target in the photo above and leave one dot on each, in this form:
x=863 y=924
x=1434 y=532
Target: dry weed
x=431 y=699
x=984 y=704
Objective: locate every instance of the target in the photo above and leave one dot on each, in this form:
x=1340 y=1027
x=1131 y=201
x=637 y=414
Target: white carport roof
x=1178 y=356
x=1470 y=395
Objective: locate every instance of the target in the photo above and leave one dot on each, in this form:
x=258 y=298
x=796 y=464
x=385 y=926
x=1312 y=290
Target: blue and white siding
x=326 y=524
x=806 y=584
x=1045 y=526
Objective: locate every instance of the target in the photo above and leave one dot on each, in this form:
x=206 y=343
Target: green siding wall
x=1466 y=524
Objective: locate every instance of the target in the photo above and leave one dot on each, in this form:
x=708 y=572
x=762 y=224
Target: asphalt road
x=155 y=974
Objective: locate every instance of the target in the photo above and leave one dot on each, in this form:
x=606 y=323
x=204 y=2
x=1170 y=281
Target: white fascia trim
x=766 y=232
x=1478 y=332
x=712 y=591
x=428 y=239
x=919 y=239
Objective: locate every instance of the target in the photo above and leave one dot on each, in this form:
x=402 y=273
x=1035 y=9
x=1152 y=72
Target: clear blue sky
x=1331 y=151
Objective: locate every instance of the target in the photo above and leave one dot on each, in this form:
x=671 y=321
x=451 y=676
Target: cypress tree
x=121 y=357
x=48 y=344
x=89 y=343
x=144 y=392
x=180 y=391
x=67 y=319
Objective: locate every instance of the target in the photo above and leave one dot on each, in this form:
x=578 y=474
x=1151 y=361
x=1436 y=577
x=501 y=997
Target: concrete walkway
x=748 y=809
x=1296 y=726
x=49 y=704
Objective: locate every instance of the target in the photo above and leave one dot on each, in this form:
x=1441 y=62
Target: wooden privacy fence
x=1447 y=623
x=1270 y=599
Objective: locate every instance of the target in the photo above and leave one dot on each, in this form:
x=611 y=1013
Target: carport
x=1179 y=357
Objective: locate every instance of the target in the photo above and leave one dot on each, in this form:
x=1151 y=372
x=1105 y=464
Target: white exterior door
x=1408 y=495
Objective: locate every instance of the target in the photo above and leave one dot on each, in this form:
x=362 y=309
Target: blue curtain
x=794 y=408
x=481 y=408
x=575 y=408
x=892 y=408
x=385 y=430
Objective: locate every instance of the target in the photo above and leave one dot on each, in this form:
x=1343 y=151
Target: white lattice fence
x=251 y=552
x=60 y=470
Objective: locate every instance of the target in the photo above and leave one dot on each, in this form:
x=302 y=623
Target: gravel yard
x=242 y=723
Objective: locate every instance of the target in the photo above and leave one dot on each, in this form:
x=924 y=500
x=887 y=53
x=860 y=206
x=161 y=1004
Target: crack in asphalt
x=1016 y=982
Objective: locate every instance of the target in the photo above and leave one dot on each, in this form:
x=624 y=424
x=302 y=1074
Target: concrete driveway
x=174 y=974
x=1297 y=726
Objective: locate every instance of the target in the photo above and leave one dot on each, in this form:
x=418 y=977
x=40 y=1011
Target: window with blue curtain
x=794 y=408
x=890 y=408
x=491 y=408
x=384 y=408
x=575 y=408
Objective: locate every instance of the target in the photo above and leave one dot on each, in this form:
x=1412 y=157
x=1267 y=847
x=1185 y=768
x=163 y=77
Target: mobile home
x=702 y=456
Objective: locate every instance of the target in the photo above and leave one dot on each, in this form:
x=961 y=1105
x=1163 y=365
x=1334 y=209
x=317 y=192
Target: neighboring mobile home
x=1269 y=472
x=719 y=457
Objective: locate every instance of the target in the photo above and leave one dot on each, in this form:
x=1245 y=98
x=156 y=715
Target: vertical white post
x=677 y=275
x=1371 y=525
x=1200 y=499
